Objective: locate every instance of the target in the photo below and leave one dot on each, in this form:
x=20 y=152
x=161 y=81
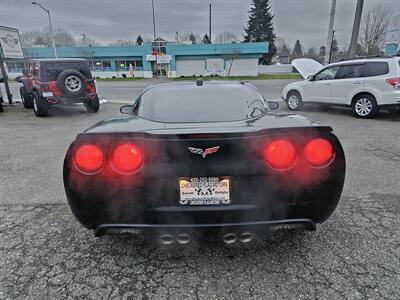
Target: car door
x=349 y=79
x=319 y=87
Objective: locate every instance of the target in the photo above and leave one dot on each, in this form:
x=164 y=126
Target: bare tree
x=42 y=37
x=123 y=43
x=226 y=38
x=86 y=41
x=190 y=37
x=373 y=30
x=30 y=38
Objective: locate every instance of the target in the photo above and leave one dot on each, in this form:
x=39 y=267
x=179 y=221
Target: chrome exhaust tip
x=183 y=238
x=230 y=238
x=166 y=239
x=247 y=237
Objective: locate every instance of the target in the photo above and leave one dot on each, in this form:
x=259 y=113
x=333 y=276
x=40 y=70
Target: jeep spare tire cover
x=71 y=82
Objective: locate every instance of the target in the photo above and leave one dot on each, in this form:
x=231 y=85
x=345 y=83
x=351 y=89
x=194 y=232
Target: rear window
x=55 y=68
x=377 y=68
x=207 y=103
x=351 y=71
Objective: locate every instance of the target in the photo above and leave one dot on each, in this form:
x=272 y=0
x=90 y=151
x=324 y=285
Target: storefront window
x=124 y=65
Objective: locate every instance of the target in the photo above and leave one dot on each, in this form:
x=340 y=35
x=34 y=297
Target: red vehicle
x=58 y=81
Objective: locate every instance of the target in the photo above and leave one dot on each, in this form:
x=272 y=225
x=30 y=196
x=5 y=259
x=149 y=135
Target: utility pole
x=356 y=28
x=209 y=25
x=328 y=48
x=51 y=27
x=331 y=47
x=154 y=20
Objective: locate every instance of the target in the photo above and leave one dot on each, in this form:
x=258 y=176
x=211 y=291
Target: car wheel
x=294 y=100
x=92 y=105
x=71 y=82
x=364 y=106
x=40 y=105
x=1 y=107
x=26 y=98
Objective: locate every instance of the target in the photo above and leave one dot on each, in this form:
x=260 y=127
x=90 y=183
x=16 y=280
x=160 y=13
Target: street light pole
x=154 y=20
x=51 y=27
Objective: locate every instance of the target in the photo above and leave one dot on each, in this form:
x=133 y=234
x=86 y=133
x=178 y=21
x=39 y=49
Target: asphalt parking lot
x=46 y=254
x=126 y=91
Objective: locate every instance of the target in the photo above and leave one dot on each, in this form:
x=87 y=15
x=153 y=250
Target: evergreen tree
x=297 y=49
x=284 y=50
x=192 y=38
x=206 y=39
x=260 y=27
x=139 y=40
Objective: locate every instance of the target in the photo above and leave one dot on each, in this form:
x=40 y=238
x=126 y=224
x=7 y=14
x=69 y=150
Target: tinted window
x=327 y=74
x=55 y=68
x=351 y=71
x=208 y=103
x=377 y=68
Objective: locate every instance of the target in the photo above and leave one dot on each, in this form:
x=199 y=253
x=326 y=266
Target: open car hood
x=306 y=66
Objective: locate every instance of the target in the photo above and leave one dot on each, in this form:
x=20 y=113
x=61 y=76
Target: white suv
x=366 y=85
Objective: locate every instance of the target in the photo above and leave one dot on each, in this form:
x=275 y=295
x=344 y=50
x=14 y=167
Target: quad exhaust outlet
x=244 y=238
x=181 y=238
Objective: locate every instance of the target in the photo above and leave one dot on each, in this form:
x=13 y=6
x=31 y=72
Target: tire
x=71 y=82
x=40 y=105
x=364 y=106
x=1 y=107
x=294 y=101
x=26 y=98
x=92 y=105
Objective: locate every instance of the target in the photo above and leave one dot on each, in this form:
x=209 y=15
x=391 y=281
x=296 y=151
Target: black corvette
x=203 y=157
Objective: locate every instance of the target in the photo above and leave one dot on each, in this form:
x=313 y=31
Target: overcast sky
x=109 y=20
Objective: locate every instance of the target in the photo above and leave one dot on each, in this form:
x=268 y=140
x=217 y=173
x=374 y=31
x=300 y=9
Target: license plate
x=204 y=191
x=47 y=94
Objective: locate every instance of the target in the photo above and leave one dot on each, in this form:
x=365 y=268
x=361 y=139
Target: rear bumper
x=254 y=226
x=71 y=100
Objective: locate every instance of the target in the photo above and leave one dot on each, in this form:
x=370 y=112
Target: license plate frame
x=205 y=191
x=47 y=94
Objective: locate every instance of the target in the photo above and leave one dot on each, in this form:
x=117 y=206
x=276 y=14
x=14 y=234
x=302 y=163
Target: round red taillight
x=319 y=152
x=89 y=159
x=280 y=154
x=127 y=159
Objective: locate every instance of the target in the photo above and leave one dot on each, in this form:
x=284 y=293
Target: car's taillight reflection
x=89 y=159
x=127 y=159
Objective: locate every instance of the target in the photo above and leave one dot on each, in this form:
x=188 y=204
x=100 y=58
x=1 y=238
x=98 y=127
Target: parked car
x=63 y=81
x=366 y=85
x=182 y=163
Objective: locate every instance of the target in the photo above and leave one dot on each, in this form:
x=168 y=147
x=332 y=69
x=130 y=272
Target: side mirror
x=25 y=72
x=126 y=109
x=18 y=78
x=273 y=105
x=310 y=77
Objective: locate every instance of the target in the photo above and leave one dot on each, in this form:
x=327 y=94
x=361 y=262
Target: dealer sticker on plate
x=204 y=191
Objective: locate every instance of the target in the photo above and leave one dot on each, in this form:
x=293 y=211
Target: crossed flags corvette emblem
x=204 y=152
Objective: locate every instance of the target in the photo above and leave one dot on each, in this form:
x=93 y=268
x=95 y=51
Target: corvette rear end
x=234 y=178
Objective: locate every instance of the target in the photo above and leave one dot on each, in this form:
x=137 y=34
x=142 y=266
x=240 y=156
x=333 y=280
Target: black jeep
x=63 y=81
